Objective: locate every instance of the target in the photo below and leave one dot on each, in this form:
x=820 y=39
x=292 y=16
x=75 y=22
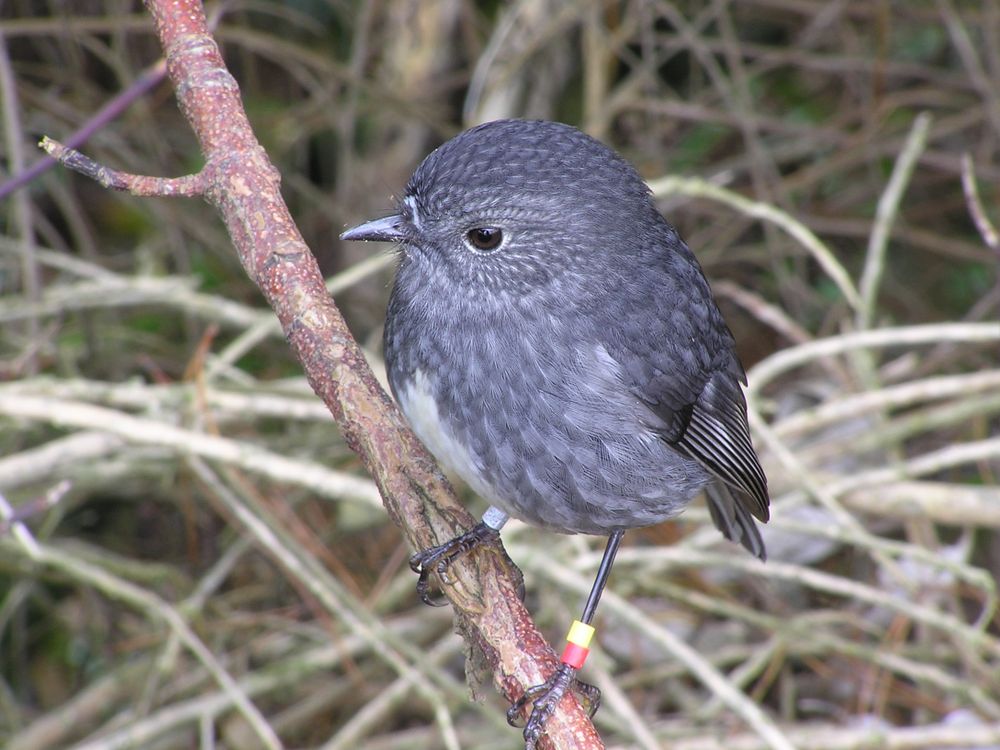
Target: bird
x=553 y=341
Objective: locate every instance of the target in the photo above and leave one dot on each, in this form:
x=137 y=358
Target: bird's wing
x=681 y=365
x=717 y=436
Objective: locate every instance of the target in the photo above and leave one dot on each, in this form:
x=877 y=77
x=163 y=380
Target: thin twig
x=885 y=214
x=145 y=431
x=971 y=190
x=189 y=186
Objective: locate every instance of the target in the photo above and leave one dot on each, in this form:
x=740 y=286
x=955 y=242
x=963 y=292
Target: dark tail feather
x=733 y=519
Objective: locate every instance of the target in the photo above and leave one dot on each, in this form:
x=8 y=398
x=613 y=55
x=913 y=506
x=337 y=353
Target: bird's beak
x=388 y=229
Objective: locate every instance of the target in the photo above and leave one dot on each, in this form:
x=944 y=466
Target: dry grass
x=201 y=547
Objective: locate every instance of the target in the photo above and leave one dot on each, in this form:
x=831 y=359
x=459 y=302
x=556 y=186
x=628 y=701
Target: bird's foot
x=438 y=559
x=544 y=699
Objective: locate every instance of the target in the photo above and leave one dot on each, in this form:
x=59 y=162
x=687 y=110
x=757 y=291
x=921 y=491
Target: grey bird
x=553 y=342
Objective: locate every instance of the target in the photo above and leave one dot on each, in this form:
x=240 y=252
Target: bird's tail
x=733 y=519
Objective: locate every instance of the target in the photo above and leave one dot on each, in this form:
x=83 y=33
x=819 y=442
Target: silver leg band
x=495 y=518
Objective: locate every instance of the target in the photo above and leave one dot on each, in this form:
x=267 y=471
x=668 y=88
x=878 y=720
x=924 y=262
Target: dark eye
x=485 y=238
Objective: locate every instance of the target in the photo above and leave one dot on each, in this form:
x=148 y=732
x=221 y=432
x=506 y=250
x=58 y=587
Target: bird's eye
x=484 y=238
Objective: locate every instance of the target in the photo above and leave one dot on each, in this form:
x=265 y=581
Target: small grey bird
x=554 y=342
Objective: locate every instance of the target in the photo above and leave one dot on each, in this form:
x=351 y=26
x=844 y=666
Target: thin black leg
x=603 y=572
x=546 y=697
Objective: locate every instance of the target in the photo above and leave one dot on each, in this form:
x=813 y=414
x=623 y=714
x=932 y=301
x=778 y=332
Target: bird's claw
x=438 y=559
x=544 y=699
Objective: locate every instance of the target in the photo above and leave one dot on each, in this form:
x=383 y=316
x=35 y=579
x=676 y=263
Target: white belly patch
x=417 y=402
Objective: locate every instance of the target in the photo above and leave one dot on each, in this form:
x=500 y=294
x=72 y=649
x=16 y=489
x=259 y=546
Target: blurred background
x=197 y=535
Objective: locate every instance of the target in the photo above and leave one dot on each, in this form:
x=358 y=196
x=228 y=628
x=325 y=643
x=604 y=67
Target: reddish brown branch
x=190 y=186
x=242 y=184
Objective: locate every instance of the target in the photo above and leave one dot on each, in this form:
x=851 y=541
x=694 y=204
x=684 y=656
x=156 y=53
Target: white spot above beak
x=411 y=203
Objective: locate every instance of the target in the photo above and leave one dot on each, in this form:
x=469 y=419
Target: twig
x=905 y=336
x=843 y=408
x=885 y=214
x=768 y=314
x=120 y=291
x=945 y=503
x=975 y=204
x=350 y=735
x=10 y=515
x=145 y=82
x=881 y=736
x=145 y=431
x=23 y=227
x=981 y=80
x=267 y=326
x=190 y=186
x=948 y=624
x=615 y=700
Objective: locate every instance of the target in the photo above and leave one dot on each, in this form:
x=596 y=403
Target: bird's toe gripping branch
x=438 y=559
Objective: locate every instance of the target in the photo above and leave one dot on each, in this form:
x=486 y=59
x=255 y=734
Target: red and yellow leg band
x=577 y=644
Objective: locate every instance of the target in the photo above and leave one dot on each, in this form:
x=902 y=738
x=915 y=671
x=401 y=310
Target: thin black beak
x=388 y=229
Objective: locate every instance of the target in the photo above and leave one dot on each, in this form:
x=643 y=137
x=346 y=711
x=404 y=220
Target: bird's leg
x=545 y=697
x=438 y=559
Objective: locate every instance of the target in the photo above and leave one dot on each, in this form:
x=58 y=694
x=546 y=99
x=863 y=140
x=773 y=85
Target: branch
x=242 y=184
